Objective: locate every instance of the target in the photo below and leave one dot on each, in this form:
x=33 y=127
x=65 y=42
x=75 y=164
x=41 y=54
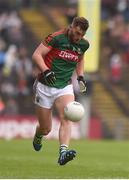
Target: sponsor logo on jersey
x=68 y=56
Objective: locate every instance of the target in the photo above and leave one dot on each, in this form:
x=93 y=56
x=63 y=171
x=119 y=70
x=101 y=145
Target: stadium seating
x=38 y=24
x=109 y=111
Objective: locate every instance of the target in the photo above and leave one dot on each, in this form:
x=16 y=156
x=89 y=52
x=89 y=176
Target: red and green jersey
x=63 y=56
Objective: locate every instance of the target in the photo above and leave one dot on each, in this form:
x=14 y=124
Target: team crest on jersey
x=79 y=51
x=73 y=48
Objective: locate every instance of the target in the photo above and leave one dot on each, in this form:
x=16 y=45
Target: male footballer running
x=57 y=57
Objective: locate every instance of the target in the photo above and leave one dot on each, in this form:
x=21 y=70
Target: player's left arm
x=80 y=74
x=80 y=66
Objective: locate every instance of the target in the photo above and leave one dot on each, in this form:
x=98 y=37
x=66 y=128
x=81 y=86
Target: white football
x=74 y=111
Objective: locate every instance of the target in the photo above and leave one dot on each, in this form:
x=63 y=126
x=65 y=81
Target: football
x=74 y=111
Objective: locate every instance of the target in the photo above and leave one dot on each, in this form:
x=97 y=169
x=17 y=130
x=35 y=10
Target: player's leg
x=65 y=124
x=43 y=105
x=64 y=130
x=44 y=126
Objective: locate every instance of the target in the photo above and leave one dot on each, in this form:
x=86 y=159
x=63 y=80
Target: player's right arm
x=38 y=57
x=47 y=76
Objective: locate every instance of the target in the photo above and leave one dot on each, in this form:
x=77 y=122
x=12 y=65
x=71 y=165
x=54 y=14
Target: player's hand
x=49 y=77
x=82 y=84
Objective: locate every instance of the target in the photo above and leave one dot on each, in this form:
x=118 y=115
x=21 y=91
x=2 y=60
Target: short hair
x=81 y=22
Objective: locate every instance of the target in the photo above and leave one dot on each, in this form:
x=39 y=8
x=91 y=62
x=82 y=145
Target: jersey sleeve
x=50 y=41
x=86 y=45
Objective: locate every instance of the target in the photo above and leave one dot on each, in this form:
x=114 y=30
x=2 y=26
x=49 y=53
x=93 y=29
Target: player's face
x=76 y=34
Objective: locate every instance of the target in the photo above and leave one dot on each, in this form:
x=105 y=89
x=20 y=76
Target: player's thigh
x=61 y=102
x=44 y=117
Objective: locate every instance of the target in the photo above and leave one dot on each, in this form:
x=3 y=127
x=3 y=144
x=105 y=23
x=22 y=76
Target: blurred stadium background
x=23 y=25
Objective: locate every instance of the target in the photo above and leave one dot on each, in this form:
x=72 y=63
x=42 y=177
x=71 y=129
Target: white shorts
x=45 y=95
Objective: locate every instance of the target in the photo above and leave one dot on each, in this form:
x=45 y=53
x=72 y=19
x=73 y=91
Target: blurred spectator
x=71 y=12
x=23 y=70
x=115 y=39
x=2 y=54
x=126 y=59
x=26 y=3
x=4 y=6
x=16 y=75
x=11 y=107
x=10 y=58
x=8 y=88
x=116 y=21
x=2 y=106
x=13 y=20
x=11 y=27
x=124 y=41
x=116 y=68
x=14 y=29
x=123 y=8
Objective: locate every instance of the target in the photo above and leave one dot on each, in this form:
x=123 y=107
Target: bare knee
x=64 y=121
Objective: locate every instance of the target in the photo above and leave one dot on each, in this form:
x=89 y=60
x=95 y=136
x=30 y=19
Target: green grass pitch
x=95 y=159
